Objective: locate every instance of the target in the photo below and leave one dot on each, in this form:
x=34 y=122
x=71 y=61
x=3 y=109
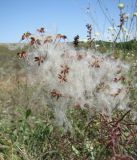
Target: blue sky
x=58 y=16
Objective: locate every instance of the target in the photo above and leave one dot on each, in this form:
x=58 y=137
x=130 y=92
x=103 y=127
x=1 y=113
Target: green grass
x=28 y=130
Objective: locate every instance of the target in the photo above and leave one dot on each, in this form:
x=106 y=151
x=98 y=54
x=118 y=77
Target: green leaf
x=28 y=113
x=75 y=150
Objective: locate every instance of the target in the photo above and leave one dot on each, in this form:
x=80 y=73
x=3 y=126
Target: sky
x=68 y=17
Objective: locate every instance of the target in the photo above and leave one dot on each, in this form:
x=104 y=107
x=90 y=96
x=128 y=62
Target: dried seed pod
x=41 y=30
x=56 y=94
x=40 y=59
x=26 y=35
x=95 y=63
x=48 y=39
x=63 y=73
x=58 y=36
x=33 y=40
x=116 y=93
x=22 y=55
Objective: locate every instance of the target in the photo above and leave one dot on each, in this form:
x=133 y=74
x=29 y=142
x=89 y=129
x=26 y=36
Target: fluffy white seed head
x=121 y=5
x=81 y=78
